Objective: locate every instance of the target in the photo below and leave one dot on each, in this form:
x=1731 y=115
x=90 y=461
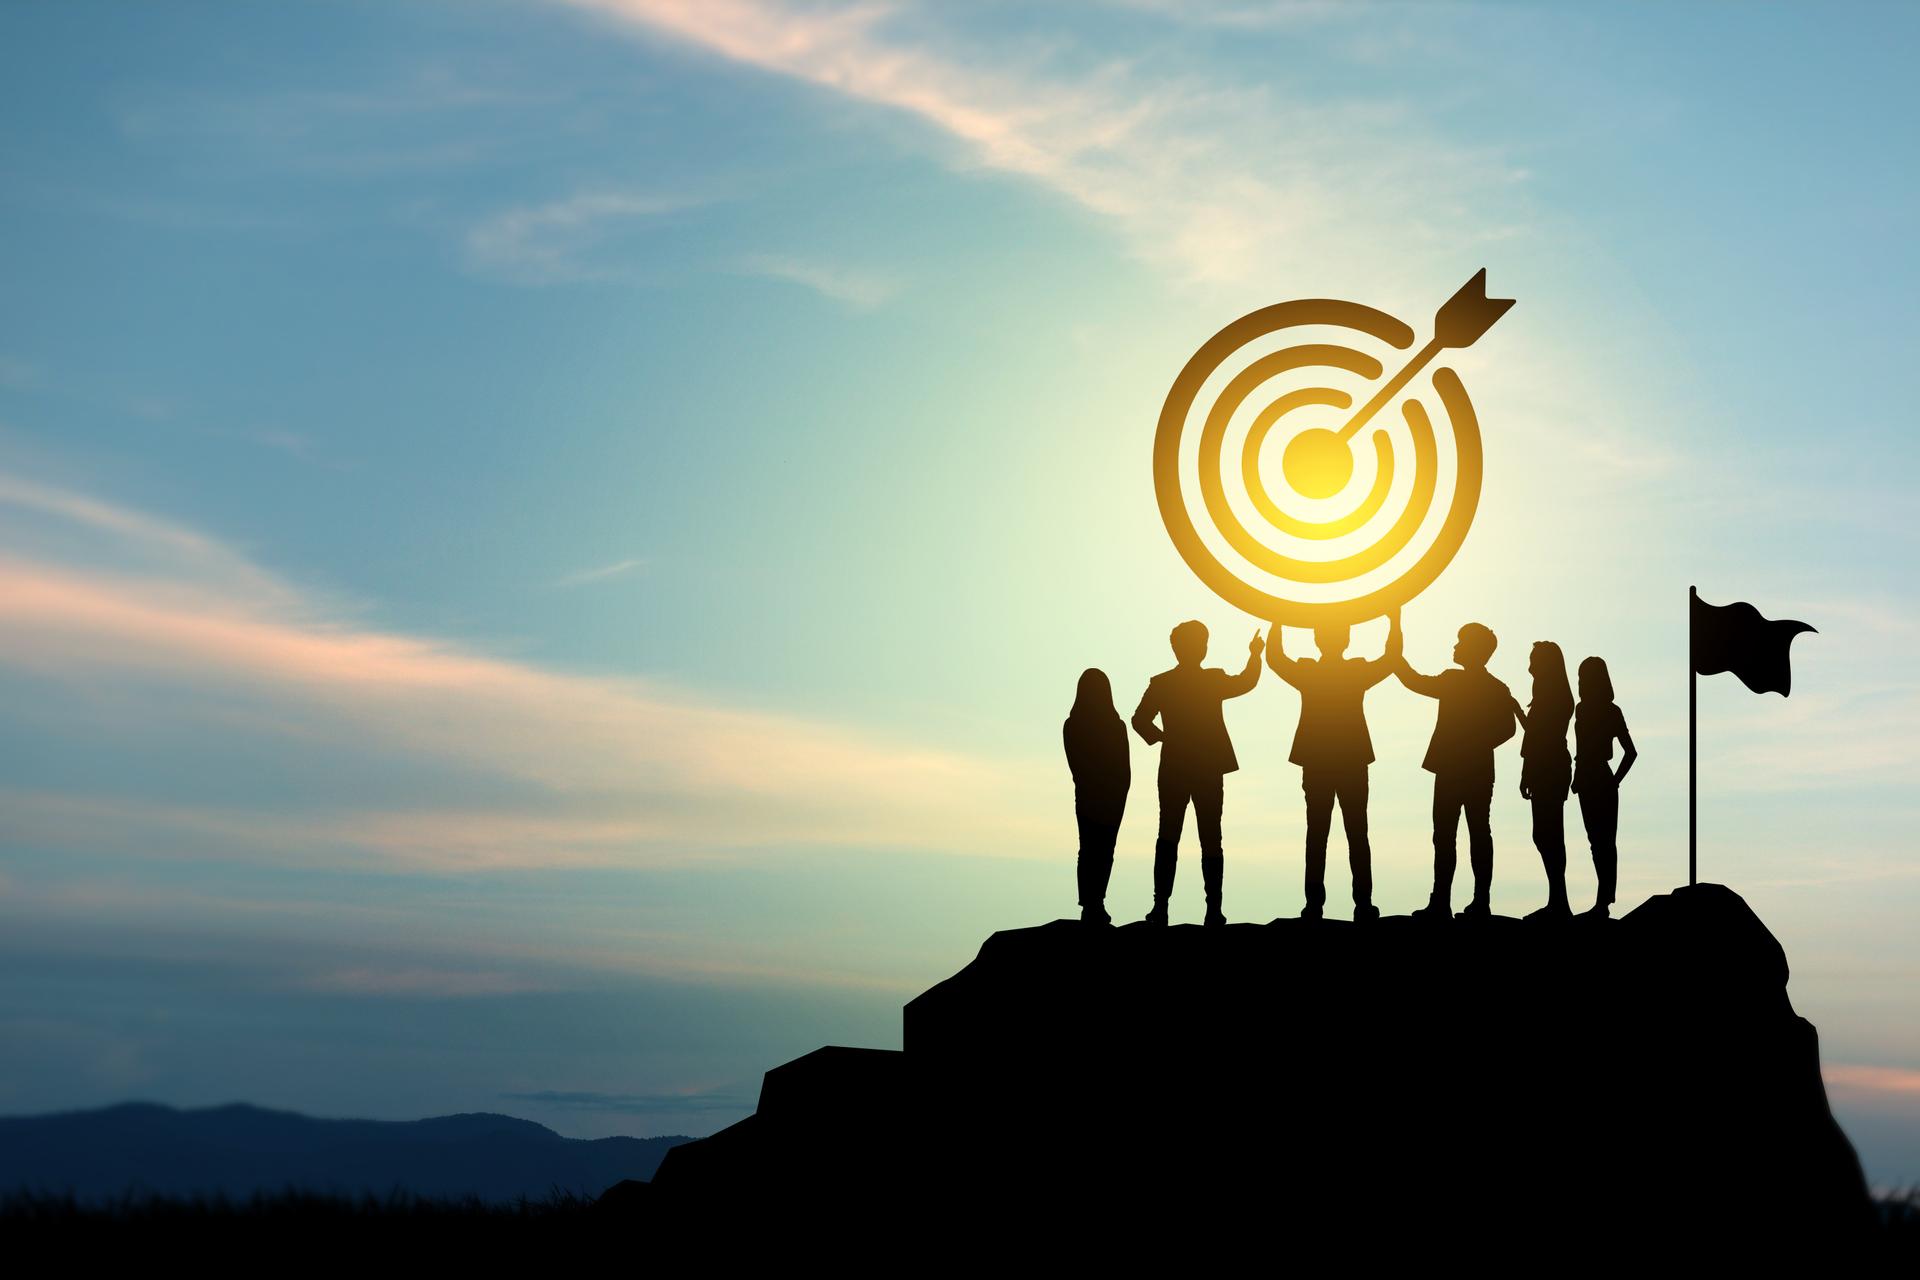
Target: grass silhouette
x=380 y=1226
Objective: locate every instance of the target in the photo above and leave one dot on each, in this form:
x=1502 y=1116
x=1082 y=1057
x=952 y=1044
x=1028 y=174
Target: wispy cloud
x=1219 y=182
x=861 y=290
x=38 y=515
x=1236 y=14
x=353 y=131
x=608 y=768
x=618 y=569
x=634 y=1103
x=414 y=983
x=561 y=241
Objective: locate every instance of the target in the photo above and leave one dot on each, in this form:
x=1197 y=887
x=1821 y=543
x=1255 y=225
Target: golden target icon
x=1309 y=512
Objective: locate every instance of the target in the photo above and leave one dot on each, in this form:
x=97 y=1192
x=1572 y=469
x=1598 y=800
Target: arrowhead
x=1468 y=313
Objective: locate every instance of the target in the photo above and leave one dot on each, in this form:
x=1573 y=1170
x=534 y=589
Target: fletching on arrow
x=1468 y=313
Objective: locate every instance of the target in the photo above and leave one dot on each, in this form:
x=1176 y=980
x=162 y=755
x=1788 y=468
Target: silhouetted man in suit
x=1476 y=715
x=1195 y=757
x=1333 y=749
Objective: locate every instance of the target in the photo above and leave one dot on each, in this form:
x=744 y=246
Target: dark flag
x=1736 y=638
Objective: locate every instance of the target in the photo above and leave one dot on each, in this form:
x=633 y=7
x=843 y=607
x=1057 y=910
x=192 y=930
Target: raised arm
x=1283 y=666
x=1143 y=717
x=1389 y=660
x=1250 y=674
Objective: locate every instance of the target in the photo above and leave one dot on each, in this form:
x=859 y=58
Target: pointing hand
x=1256 y=645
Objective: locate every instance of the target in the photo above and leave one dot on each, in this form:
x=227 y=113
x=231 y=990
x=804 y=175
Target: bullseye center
x=1317 y=463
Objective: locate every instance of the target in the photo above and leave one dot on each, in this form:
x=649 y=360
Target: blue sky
x=546 y=544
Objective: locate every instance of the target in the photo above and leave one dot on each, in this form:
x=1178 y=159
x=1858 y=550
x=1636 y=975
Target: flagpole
x=1693 y=753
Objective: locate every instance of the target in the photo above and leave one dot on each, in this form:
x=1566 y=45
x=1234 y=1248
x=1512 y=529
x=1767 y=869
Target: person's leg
x=1606 y=848
x=1446 y=820
x=1098 y=832
x=1550 y=838
x=1084 y=861
x=1478 y=805
x=1353 y=816
x=1597 y=816
x=1173 y=815
x=1318 y=784
x=1208 y=796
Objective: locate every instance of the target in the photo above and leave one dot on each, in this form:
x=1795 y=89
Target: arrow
x=1458 y=323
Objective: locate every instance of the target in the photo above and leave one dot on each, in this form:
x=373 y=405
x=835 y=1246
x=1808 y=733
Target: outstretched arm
x=1519 y=712
x=1250 y=674
x=1143 y=718
x=1428 y=686
x=1628 y=754
x=1283 y=666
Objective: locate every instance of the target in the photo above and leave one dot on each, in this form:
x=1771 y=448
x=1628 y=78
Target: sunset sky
x=544 y=545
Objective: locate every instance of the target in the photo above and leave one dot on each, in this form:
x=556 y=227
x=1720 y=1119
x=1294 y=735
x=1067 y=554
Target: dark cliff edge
x=1401 y=1086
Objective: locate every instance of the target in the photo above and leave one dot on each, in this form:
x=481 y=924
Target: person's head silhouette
x=1094 y=697
x=1332 y=638
x=1475 y=647
x=1548 y=667
x=1596 y=685
x=1189 y=641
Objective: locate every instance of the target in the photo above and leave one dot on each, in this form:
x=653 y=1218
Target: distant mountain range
x=238 y=1150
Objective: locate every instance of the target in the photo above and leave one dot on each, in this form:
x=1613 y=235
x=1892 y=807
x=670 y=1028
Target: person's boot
x=1211 y=868
x=1365 y=913
x=1478 y=909
x=1437 y=908
x=1164 y=864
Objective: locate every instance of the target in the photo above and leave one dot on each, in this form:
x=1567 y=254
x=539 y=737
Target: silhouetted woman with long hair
x=1546 y=769
x=1597 y=723
x=1096 y=744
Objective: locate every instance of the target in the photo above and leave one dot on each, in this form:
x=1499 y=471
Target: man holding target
x=1333 y=749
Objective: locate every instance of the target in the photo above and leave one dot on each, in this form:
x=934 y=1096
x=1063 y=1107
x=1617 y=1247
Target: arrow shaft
x=1391 y=389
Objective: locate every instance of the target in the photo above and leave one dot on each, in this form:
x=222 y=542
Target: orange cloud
x=625 y=764
x=1848 y=1076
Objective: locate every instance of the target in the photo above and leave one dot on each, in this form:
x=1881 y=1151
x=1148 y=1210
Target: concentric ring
x=1226 y=522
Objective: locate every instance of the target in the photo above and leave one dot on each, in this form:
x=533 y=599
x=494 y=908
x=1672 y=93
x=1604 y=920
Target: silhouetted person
x=1333 y=749
x=1596 y=723
x=1546 y=769
x=1195 y=757
x=1475 y=716
x=1096 y=742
